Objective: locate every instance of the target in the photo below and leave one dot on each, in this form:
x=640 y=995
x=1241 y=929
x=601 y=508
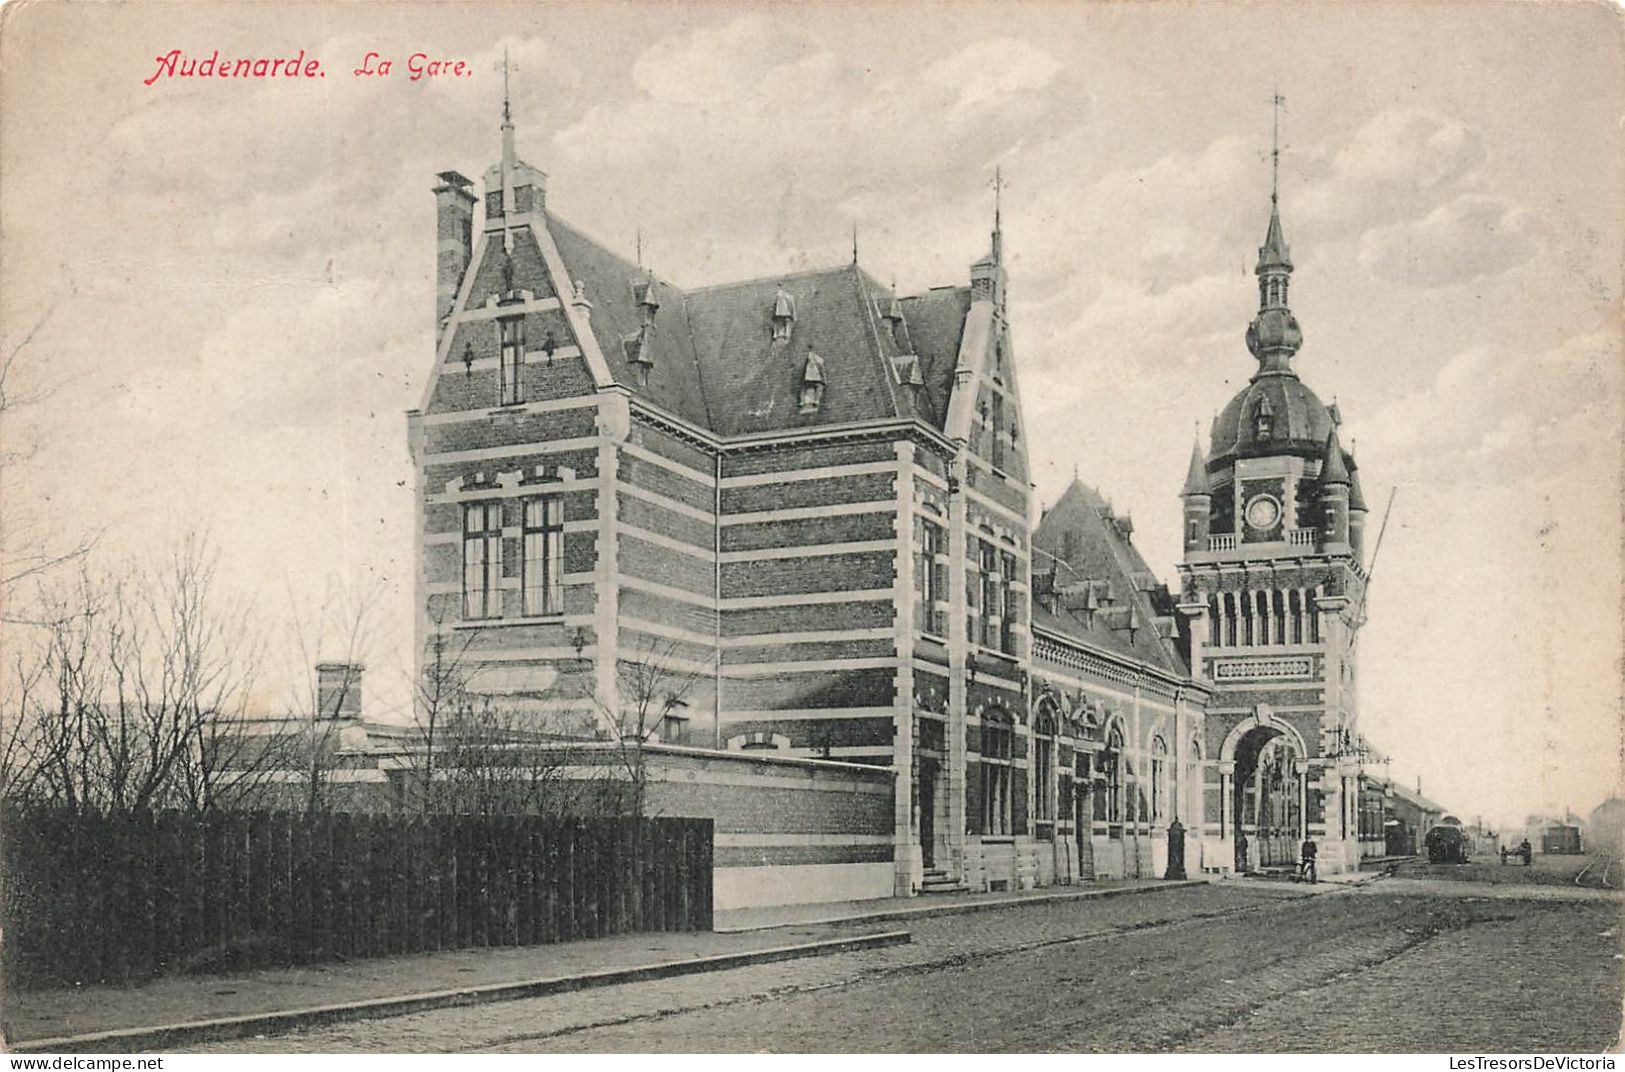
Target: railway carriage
x=1447 y=843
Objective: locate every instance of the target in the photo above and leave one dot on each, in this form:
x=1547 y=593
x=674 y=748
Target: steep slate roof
x=675 y=383
x=936 y=322
x=718 y=365
x=1101 y=554
x=753 y=380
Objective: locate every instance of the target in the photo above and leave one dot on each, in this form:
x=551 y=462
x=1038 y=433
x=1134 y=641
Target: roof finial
x=854 y=241
x=998 y=185
x=509 y=157
x=640 y=245
x=1277 y=102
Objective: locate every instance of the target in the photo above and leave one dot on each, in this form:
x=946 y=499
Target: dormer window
x=640 y=354
x=812 y=384
x=784 y=314
x=647 y=293
x=1263 y=420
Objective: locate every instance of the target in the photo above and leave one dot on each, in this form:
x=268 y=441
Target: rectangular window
x=543 y=556
x=992 y=597
x=1007 y=621
x=930 y=576
x=997 y=741
x=998 y=430
x=482 y=559
x=513 y=358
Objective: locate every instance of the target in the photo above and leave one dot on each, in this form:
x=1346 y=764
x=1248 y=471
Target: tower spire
x=1274 y=336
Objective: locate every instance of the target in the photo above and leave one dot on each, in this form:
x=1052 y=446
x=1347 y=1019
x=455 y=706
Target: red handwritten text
x=176 y=64
x=419 y=65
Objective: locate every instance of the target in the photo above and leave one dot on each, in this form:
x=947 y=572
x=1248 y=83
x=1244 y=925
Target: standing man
x=1307 y=870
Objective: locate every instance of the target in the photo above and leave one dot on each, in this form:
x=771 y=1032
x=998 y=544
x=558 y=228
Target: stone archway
x=1268 y=795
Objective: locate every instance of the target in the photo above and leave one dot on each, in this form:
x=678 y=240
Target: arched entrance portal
x=1270 y=787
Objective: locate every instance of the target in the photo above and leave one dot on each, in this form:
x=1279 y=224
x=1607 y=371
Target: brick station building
x=807 y=496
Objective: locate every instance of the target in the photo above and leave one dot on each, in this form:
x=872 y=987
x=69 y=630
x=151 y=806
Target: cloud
x=1398 y=165
x=1492 y=415
x=1466 y=239
x=801 y=130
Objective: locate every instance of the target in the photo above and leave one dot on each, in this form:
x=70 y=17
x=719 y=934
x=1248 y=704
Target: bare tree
x=134 y=675
x=483 y=753
x=653 y=686
x=29 y=549
x=340 y=628
x=439 y=693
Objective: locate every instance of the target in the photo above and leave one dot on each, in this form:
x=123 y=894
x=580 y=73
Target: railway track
x=1598 y=869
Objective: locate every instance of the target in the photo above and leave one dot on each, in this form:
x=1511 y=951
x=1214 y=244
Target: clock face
x=1263 y=512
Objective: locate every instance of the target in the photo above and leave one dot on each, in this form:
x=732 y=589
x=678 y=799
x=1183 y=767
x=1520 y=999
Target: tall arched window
x=1111 y=775
x=1044 y=767
x=1195 y=792
x=1159 y=779
x=998 y=745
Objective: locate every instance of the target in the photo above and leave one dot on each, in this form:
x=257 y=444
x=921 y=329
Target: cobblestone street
x=1391 y=966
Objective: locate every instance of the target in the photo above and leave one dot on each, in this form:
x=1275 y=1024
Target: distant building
x=1405 y=814
x=1606 y=825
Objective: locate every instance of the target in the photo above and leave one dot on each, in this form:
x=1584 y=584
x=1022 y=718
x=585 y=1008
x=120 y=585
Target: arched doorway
x=1268 y=799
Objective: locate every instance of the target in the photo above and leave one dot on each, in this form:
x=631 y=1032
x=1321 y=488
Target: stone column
x=958 y=693
x=908 y=859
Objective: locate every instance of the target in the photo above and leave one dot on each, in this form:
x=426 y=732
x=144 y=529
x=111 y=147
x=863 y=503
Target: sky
x=229 y=288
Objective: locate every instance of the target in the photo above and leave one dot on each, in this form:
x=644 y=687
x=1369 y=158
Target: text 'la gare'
x=419 y=65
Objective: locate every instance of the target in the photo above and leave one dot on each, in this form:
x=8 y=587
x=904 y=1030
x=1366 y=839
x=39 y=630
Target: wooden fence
x=91 y=898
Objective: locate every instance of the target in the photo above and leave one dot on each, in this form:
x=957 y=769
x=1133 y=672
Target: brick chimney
x=338 y=690
x=454 y=213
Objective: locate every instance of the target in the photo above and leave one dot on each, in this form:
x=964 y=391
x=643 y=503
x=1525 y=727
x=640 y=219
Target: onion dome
x=1271 y=415
x=1274 y=335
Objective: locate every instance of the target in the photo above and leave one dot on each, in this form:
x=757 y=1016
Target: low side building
x=1114 y=702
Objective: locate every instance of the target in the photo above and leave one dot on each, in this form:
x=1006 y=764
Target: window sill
x=998 y=839
x=490 y=623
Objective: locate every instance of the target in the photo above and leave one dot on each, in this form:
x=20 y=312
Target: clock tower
x=1272 y=587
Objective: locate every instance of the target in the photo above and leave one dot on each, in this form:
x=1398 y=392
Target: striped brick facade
x=807 y=503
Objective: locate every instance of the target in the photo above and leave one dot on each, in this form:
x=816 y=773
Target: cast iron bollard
x=1176 y=851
